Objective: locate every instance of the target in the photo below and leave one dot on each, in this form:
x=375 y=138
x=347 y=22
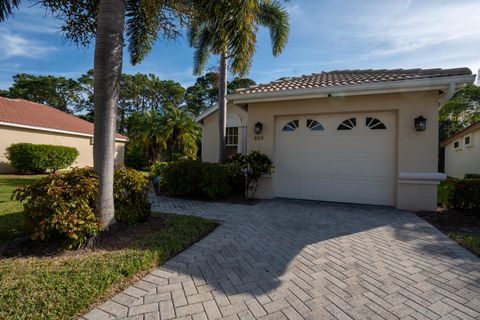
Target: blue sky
x=325 y=35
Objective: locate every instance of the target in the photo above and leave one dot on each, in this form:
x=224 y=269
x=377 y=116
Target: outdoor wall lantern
x=258 y=128
x=420 y=123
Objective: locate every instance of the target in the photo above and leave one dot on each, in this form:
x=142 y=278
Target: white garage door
x=340 y=157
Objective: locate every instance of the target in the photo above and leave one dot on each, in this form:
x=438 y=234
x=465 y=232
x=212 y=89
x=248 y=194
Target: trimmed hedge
x=201 y=179
x=61 y=205
x=464 y=195
x=38 y=158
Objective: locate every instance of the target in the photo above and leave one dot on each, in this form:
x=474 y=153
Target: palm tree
x=106 y=21
x=228 y=28
x=182 y=132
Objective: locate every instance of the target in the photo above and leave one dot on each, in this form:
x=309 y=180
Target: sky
x=324 y=35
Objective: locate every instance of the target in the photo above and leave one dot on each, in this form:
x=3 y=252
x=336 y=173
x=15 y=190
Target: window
x=456 y=145
x=314 y=125
x=231 y=141
x=291 y=125
x=348 y=124
x=374 y=124
x=467 y=141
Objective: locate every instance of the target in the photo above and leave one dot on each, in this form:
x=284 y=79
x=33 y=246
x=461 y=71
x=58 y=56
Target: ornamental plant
x=39 y=158
x=464 y=195
x=254 y=165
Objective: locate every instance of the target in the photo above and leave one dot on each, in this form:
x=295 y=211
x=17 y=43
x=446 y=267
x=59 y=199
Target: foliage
x=58 y=92
x=11 y=211
x=472 y=176
x=255 y=165
x=200 y=179
x=38 y=158
x=171 y=135
x=464 y=195
x=69 y=285
x=469 y=241
x=61 y=206
x=135 y=157
x=158 y=167
x=130 y=196
x=460 y=112
x=238 y=83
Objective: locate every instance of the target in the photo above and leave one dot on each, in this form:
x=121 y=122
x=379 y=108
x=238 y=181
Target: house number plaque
x=258 y=138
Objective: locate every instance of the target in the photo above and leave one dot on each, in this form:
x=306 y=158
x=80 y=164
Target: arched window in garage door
x=374 y=124
x=348 y=124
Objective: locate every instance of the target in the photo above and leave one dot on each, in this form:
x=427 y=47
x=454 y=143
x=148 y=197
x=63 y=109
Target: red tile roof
x=351 y=77
x=23 y=112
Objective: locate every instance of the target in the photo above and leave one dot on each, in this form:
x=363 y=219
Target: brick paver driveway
x=285 y=259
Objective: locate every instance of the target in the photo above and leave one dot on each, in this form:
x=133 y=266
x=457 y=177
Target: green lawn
x=469 y=241
x=11 y=217
x=65 y=287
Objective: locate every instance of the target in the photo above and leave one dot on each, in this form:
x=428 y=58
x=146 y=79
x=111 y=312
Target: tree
x=204 y=93
x=58 y=92
x=228 y=28
x=460 y=112
x=182 y=133
x=106 y=21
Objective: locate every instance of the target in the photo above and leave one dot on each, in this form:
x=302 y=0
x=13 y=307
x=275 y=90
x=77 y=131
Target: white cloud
x=14 y=45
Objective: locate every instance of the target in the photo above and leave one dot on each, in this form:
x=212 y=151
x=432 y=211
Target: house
x=25 y=121
x=462 y=152
x=355 y=136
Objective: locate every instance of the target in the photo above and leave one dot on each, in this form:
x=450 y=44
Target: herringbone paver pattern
x=285 y=259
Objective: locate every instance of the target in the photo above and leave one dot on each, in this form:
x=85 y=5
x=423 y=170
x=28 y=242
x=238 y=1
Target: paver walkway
x=286 y=259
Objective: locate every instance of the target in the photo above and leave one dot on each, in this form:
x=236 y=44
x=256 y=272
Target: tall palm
x=228 y=28
x=182 y=131
x=105 y=20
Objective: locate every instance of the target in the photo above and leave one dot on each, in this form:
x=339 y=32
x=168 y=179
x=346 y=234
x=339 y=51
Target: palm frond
x=273 y=16
x=203 y=48
x=7 y=7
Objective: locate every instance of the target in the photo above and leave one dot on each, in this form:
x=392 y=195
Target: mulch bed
x=230 y=199
x=451 y=221
x=119 y=236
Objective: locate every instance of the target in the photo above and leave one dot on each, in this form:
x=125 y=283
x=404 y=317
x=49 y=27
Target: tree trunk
x=107 y=72
x=222 y=107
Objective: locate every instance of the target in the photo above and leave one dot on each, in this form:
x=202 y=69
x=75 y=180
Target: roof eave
x=356 y=89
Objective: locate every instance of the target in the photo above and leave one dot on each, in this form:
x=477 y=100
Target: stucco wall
x=210 y=132
x=415 y=151
x=464 y=159
x=9 y=135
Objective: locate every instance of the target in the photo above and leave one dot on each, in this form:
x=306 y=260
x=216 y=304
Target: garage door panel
x=336 y=165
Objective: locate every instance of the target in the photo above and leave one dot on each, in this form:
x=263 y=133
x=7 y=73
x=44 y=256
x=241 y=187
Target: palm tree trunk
x=107 y=72
x=222 y=107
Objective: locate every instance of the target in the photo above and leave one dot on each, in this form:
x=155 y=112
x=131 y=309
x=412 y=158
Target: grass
x=65 y=287
x=469 y=241
x=11 y=211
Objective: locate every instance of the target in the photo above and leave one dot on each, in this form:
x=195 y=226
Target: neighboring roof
x=352 y=77
x=27 y=114
x=461 y=133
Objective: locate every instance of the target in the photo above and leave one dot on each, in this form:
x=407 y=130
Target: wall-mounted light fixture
x=258 y=128
x=420 y=123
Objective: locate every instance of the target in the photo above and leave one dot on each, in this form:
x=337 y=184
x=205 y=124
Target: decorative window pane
x=348 y=124
x=231 y=141
x=456 y=144
x=374 y=124
x=291 y=125
x=467 y=140
x=314 y=125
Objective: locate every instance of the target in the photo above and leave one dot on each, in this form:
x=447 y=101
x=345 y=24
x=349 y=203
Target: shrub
x=472 y=176
x=464 y=195
x=61 y=206
x=200 y=179
x=38 y=158
x=157 y=168
x=255 y=165
x=130 y=194
x=135 y=157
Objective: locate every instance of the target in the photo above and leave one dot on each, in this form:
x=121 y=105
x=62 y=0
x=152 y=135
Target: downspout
x=452 y=88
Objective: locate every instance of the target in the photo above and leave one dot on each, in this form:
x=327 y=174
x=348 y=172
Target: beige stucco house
x=343 y=136
x=462 y=152
x=25 y=121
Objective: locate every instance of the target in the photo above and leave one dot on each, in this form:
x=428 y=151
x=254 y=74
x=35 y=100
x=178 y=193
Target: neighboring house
x=343 y=136
x=25 y=121
x=462 y=152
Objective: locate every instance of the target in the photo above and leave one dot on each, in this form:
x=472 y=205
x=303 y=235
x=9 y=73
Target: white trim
x=206 y=113
x=355 y=89
x=471 y=143
x=459 y=144
x=404 y=177
x=73 y=133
